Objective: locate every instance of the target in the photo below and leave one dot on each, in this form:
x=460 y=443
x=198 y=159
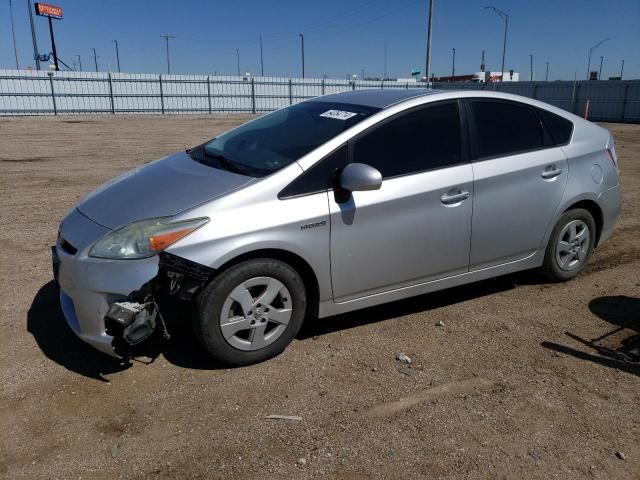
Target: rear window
x=505 y=128
x=560 y=128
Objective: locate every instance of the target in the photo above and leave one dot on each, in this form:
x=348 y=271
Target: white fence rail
x=55 y=93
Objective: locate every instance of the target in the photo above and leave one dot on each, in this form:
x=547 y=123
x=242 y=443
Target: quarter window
x=421 y=140
x=560 y=128
x=505 y=128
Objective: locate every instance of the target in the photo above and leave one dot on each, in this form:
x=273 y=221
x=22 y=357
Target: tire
x=569 y=248
x=250 y=312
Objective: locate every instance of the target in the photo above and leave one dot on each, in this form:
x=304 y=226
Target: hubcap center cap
x=258 y=313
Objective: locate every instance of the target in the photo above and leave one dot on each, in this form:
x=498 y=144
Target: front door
x=417 y=226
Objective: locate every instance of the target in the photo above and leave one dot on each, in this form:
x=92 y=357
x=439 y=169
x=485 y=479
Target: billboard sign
x=47 y=10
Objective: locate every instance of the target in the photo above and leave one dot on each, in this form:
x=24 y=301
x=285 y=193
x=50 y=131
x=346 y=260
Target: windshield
x=273 y=141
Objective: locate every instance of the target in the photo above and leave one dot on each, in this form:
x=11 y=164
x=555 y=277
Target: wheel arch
x=298 y=263
x=596 y=212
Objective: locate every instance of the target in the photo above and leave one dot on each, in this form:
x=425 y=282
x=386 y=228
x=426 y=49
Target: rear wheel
x=251 y=311
x=570 y=245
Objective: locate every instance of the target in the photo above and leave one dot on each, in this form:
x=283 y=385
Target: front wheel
x=251 y=311
x=570 y=245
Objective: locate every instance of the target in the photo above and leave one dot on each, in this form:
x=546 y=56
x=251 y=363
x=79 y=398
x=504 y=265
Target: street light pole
x=238 y=60
x=167 y=38
x=302 y=39
x=531 y=67
x=453 y=64
x=591 y=51
x=505 y=17
x=117 y=55
x=600 y=69
x=621 y=69
x=261 y=59
x=427 y=69
x=95 y=58
x=13 y=32
x=546 y=77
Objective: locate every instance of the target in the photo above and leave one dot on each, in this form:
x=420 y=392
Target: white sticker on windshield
x=338 y=114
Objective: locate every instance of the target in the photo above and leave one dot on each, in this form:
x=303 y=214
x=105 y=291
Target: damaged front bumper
x=93 y=289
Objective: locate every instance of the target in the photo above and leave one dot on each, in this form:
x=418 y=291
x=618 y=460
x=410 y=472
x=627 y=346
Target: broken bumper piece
x=106 y=301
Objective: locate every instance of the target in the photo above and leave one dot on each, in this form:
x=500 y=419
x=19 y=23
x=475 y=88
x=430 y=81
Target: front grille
x=67 y=247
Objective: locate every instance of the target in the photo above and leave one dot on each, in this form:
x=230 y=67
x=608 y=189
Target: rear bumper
x=610 y=202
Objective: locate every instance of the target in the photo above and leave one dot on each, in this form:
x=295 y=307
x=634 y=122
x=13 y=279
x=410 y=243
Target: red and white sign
x=47 y=10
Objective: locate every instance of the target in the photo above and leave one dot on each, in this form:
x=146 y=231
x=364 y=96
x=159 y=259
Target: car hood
x=162 y=188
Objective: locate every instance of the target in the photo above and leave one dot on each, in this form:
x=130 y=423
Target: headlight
x=143 y=239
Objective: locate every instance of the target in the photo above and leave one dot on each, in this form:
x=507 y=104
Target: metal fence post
x=253 y=95
x=53 y=93
x=323 y=86
x=535 y=91
x=290 y=93
x=381 y=84
x=624 y=101
x=576 y=96
x=113 y=108
x=353 y=85
x=407 y=86
x=209 y=93
x=161 y=95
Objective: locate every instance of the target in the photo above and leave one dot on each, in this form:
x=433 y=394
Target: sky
x=342 y=37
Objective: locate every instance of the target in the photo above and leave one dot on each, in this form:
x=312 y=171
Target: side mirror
x=360 y=177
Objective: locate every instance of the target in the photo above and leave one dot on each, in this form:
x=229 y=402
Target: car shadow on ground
x=620 y=347
x=46 y=322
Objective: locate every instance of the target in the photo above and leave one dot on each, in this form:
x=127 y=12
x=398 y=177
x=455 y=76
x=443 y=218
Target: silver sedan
x=332 y=205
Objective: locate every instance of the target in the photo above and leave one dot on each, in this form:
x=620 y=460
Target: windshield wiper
x=202 y=155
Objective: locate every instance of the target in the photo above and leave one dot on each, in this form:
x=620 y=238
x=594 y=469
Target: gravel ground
x=510 y=378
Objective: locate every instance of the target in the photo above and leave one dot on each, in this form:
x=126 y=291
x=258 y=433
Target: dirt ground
x=524 y=380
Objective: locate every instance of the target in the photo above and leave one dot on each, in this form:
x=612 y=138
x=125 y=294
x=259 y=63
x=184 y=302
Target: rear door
x=519 y=181
x=416 y=227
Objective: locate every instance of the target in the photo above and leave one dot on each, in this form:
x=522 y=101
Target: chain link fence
x=63 y=93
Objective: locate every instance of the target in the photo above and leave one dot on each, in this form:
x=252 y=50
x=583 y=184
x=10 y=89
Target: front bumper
x=88 y=286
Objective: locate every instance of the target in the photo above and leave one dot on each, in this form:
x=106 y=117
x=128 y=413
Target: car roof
x=378 y=98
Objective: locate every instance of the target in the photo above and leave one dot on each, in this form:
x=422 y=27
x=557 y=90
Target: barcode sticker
x=338 y=114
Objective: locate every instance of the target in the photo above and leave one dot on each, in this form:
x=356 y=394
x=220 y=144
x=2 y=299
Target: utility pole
x=531 y=67
x=362 y=74
x=13 y=32
x=117 y=55
x=591 y=51
x=95 y=58
x=505 y=17
x=546 y=77
x=302 y=39
x=79 y=62
x=385 y=60
x=261 y=59
x=453 y=65
x=427 y=68
x=238 y=58
x=600 y=69
x=621 y=69
x=167 y=38
x=36 y=55
x=482 y=67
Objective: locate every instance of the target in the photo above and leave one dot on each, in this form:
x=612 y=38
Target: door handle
x=551 y=172
x=451 y=198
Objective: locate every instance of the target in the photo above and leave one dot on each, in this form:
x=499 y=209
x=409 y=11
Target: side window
x=318 y=177
x=560 y=128
x=421 y=140
x=504 y=128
